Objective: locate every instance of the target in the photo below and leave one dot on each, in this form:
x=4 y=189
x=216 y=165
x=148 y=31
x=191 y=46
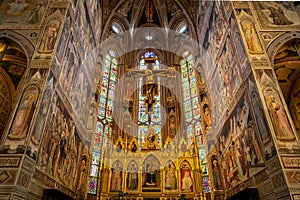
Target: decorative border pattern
x=290 y=162
x=10 y=161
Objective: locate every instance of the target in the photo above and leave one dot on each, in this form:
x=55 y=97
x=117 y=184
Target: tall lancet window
x=190 y=97
x=105 y=116
x=147 y=115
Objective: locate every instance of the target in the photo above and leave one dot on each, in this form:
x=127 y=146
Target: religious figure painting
x=132 y=180
x=229 y=69
x=170 y=178
x=61 y=146
x=251 y=36
x=260 y=118
x=216 y=31
x=279 y=117
x=238 y=41
x=217 y=184
x=68 y=71
x=278 y=14
x=116 y=176
x=81 y=94
x=218 y=97
x=172 y=126
x=64 y=38
x=22 y=12
x=49 y=38
x=42 y=115
x=151 y=174
x=239 y=146
x=23 y=114
x=186 y=178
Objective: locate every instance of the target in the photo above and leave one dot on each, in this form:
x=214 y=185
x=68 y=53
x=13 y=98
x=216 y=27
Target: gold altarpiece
x=149 y=169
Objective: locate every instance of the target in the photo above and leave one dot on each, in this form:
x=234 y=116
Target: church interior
x=149 y=100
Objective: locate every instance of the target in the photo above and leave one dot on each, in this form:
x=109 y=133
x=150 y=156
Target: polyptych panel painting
x=186 y=178
x=132 y=181
x=151 y=176
x=61 y=147
x=239 y=146
x=278 y=14
x=22 y=12
x=170 y=178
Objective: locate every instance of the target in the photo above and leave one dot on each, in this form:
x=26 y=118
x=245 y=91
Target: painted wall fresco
x=22 y=12
x=260 y=118
x=62 y=44
x=238 y=42
x=61 y=148
x=217 y=97
x=214 y=35
x=280 y=119
x=239 y=146
x=77 y=63
x=249 y=31
x=278 y=14
x=46 y=106
x=228 y=66
x=21 y=123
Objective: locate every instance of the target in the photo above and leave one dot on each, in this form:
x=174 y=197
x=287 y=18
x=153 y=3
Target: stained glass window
x=192 y=113
x=143 y=121
x=190 y=97
x=105 y=113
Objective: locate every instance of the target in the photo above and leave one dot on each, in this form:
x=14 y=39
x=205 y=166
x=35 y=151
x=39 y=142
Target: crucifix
x=150 y=82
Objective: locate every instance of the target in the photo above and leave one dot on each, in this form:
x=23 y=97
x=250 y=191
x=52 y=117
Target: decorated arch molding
x=21 y=40
x=277 y=43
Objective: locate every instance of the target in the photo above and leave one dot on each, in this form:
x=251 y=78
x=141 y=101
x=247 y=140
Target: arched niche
x=287 y=69
x=13 y=64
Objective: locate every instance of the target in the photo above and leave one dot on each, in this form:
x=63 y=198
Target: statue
x=207 y=117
